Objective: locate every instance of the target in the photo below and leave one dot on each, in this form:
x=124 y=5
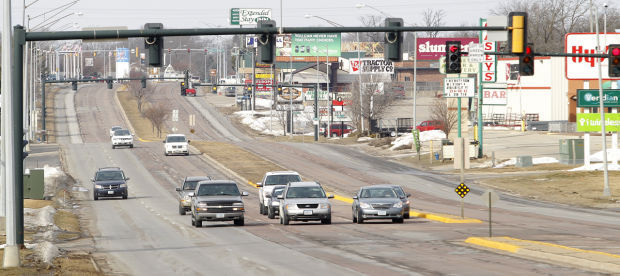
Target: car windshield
x=399 y=191
x=109 y=175
x=224 y=189
x=115 y=128
x=190 y=185
x=175 y=139
x=281 y=179
x=305 y=192
x=122 y=132
x=377 y=192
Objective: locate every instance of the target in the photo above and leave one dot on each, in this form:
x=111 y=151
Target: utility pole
x=6 y=90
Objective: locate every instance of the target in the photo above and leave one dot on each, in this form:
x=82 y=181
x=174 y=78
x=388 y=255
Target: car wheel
x=181 y=210
x=187 y=154
x=113 y=146
x=406 y=215
x=131 y=146
x=261 y=208
x=193 y=222
x=198 y=223
x=285 y=219
x=239 y=222
x=354 y=217
x=125 y=196
x=360 y=219
x=96 y=197
x=271 y=213
x=328 y=220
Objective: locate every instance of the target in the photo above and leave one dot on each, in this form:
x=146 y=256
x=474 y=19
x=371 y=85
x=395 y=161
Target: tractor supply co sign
x=590 y=98
x=585 y=68
x=459 y=87
x=248 y=16
x=371 y=66
x=489 y=62
x=591 y=122
x=494 y=94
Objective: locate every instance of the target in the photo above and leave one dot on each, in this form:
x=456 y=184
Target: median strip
x=552 y=253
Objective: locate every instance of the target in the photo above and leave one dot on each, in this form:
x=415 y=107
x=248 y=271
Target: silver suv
x=305 y=201
x=270 y=180
x=188 y=186
x=217 y=200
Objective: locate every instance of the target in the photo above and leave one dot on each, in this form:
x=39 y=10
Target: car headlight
x=365 y=205
x=398 y=204
x=97 y=186
x=238 y=204
x=290 y=206
x=275 y=203
x=201 y=204
x=407 y=202
x=123 y=185
x=324 y=206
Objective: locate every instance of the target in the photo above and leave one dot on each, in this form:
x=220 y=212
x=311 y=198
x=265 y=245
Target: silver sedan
x=377 y=202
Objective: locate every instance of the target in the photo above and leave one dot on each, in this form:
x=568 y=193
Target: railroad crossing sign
x=462 y=190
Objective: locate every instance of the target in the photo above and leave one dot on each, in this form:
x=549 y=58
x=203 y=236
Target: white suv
x=122 y=137
x=176 y=144
x=270 y=180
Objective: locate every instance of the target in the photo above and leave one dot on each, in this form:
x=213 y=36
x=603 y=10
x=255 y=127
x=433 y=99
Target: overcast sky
x=210 y=13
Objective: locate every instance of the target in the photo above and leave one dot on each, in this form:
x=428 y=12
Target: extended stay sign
x=489 y=62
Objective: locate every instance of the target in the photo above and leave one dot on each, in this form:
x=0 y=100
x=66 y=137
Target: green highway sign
x=590 y=98
x=234 y=16
x=591 y=122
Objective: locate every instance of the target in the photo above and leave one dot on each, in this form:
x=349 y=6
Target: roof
x=208 y=182
x=281 y=173
x=197 y=178
x=109 y=169
x=389 y=186
x=303 y=184
x=178 y=134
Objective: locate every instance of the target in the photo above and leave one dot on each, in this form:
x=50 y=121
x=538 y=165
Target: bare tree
x=135 y=86
x=441 y=112
x=375 y=100
x=371 y=21
x=433 y=18
x=157 y=115
x=283 y=119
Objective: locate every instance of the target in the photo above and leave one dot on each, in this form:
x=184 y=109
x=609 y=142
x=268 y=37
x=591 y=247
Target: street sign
x=476 y=52
x=234 y=16
x=591 y=122
x=467 y=67
x=459 y=87
x=489 y=199
x=497 y=21
x=462 y=190
x=590 y=98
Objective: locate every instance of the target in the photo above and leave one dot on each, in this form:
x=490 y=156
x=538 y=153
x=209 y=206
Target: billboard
x=309 y=45
x=585 y=68
x=122 y=62
x=434 y=48
x=248 y=16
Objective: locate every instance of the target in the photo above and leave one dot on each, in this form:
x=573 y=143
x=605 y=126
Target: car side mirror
x=92 y=180
x=164 y=141
x=408 y=195
x=259 y=184
x=280 y=197
x=330 y=196
x=178 y=189
x=268 y=196
x=126 y=178
x=188 y=141
x=354 y=197
x=244 y=193
x=191 y=194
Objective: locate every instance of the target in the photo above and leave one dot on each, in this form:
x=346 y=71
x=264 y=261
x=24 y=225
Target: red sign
x=336 y=102
x=434 y=48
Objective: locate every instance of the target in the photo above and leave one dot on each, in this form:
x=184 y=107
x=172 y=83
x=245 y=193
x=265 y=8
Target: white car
x=122 y=137
x=270 y=180
x=176 y=144
x=113 y=129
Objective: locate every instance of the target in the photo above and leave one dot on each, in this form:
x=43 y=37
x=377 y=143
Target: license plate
x=219 y=215
x=110 y=192
x=382 y=213
x=307 y=212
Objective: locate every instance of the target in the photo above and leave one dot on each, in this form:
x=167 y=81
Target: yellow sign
x=263 y=76
x=462 y=190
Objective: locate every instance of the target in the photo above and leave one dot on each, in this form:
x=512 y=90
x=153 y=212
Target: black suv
x=110 y=182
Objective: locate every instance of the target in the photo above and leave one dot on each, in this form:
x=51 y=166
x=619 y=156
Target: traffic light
x=453 y=57
x=266 y=42
x=279 y=89
x=183 y=89
x=154 y=44
x=24 y=152
x=517 y=32
x=214 y=89
x=109 y=82
x=614 y=60
x=74 y=85
x=393 y=40
x=143 y=81
x=186 y=78
x=526 y=61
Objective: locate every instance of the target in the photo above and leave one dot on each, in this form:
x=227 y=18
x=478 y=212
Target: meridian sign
x=591 y=122
x=590 y=98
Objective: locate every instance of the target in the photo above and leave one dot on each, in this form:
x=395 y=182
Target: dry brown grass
x=75 y=264
x=244 y=163
x=50 y=94
x=141 y=125
x=36 y=204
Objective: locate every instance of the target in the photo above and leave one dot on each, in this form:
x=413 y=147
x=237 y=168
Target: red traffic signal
x=526 y=61
x=453 y=57
x=613 y=59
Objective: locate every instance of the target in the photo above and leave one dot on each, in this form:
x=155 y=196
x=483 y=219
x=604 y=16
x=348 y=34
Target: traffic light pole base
x=11 y=256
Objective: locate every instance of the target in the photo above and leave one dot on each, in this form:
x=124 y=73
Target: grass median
x=141 y=125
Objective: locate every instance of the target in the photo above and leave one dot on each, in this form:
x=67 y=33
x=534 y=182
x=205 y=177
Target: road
x=144 y=235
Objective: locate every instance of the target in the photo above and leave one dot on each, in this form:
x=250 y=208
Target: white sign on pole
x=467 y=67
x=459 y=87
x=497 y=21
x=489 y=196
x=476 y=52
x=494 y=94
x=175 y=115
x=585 y=68
x=489 y=63
x=252 y=16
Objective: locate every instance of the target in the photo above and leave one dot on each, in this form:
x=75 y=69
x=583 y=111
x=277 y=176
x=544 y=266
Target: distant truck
x=391 y=127
x=189 y=91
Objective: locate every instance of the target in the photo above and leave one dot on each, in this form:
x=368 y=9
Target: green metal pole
x=316 y=111
x=43 y=109
x=480 y=122
x=19 y=39
x=459 y=116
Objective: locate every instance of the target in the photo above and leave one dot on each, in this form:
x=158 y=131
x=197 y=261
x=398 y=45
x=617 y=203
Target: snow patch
x=425 y=136
x=535 y=161
x=364 y=139
x=41 y=217
x=46 y=251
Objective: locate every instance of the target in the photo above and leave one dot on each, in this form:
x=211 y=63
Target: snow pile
x=407 y=139
x=364 y=139
x=598 y=157
x=535 y=161
x=41 y=217
x=46 y=251
x=52 y=172
x=27 y=245
x=267 y=103
x=265 y=123
x=597 y=167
